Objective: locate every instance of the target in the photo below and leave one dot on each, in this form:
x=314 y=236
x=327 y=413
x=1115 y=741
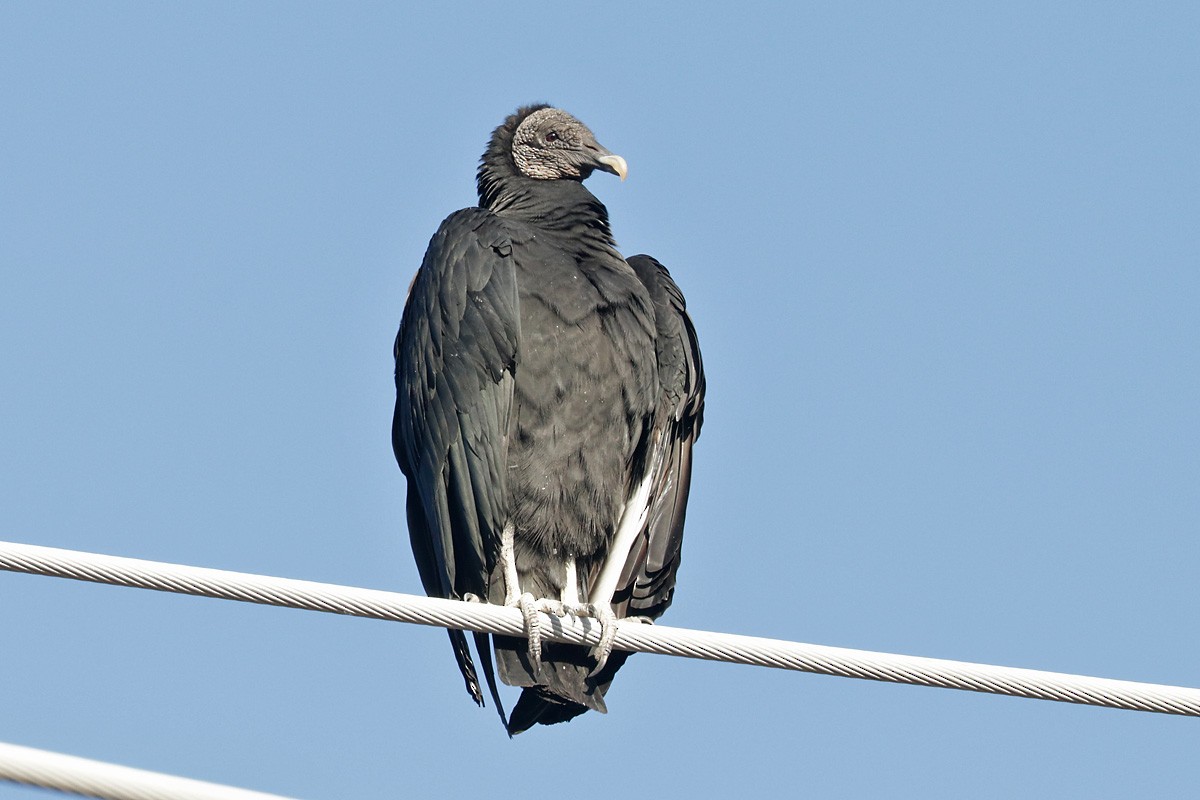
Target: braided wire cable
x=82 y=776
x=633 y=637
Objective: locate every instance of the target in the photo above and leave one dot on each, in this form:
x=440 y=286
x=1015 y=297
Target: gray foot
x=603 y=614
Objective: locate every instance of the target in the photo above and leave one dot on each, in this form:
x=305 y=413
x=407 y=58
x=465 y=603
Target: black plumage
x=548 y=391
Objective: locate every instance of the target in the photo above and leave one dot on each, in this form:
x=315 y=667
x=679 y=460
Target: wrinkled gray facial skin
x=551 y=144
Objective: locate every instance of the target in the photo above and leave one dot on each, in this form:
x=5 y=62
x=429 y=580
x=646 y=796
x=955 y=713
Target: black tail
x=558 y=689
x=539 y=706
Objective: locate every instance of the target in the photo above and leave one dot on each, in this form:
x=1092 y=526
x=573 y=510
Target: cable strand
x=83 y=776
x=660 y=639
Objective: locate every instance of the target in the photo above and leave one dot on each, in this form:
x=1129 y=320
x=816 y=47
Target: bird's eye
x=552 y=136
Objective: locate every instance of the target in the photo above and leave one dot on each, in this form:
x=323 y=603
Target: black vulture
x=548 y=392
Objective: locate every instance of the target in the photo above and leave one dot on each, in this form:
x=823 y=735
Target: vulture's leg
x=632 y=524
x=514 y=597
x=571 y=603
x=604 y=615
x=529 y=605
x=601 y=612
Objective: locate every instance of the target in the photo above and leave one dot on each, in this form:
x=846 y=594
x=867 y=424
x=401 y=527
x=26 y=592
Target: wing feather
x=455 y=356
x=647 y=583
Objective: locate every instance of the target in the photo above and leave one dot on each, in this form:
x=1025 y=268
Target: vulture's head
x=550 y=144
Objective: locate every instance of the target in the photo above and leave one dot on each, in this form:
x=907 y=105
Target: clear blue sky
x=944 y=260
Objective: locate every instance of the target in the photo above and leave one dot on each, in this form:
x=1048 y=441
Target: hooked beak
x=614 y=164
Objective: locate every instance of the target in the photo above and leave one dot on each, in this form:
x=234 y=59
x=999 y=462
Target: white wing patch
x=633 y=522
x=570 y=592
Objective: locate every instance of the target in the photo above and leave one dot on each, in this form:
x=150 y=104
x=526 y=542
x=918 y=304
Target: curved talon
x=533 y=627
x=608 y=634
x=556 y=608
x=604 y=615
